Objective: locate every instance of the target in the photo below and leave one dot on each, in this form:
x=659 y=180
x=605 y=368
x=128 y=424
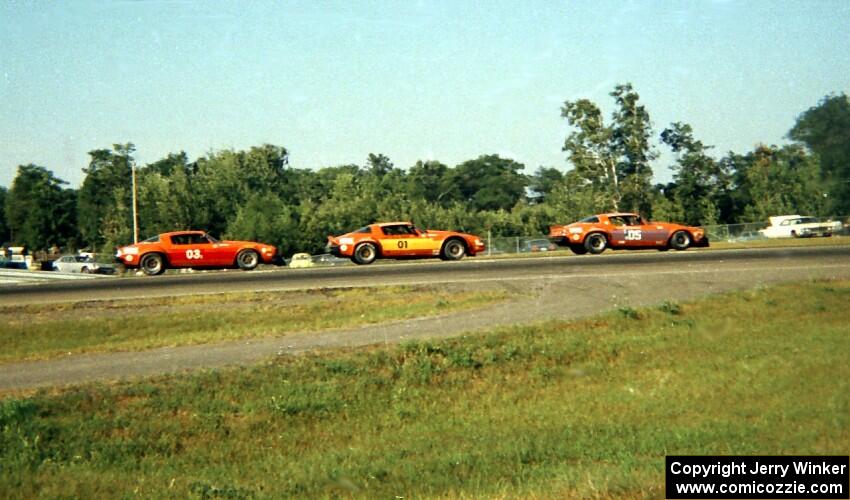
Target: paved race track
x=469 y=270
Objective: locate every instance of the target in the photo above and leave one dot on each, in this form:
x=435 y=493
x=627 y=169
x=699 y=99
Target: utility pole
x=135 y=211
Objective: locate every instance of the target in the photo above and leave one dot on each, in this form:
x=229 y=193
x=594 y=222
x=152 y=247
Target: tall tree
x=4 y=226
x=542 y=182
x=825 y=130
x=699 y=179
x=590 y=150
x=630 y=134
x=105 y=197
x=430 y=181
x=490 y=182
x=39 y=210
x=780 y=181
x=613 y=160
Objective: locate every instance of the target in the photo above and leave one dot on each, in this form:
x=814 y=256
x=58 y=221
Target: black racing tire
x=365 y=253
x=596 y=243
x=85 y=270
x=247 y=259
x=680 y=240
x=794 y=234
x=578 y=249
x=152 y=264
x=453 y=249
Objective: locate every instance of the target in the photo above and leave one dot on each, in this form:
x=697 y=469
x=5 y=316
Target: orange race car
x=625 y=231
x=195 y=249
x=400 y=240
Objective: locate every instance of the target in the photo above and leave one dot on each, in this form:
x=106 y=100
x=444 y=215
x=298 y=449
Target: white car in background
x=76 y=264
x=799 y=226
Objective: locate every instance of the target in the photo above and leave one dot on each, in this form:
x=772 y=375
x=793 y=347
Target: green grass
x=584 y=409
x=45 y=331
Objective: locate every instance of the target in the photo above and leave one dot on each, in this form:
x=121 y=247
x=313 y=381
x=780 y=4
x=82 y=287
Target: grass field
x=562 y=409
x=45 y=331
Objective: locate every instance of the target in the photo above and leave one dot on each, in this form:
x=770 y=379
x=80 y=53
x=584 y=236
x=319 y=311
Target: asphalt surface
x=559 y=288
x=418 y=272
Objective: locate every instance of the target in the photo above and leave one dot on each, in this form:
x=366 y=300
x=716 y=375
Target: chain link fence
x=752 y=231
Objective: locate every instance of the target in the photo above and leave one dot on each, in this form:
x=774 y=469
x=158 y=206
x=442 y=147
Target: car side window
x=617 y=221
x=397 y=230
x=180 y=239
x=198 y=239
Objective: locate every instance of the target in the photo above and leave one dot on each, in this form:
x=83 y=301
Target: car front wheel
x=596 y=243
x=365 y=253
x=247 y=260
x=453 y=250
x=152 y=264
x=680 y=240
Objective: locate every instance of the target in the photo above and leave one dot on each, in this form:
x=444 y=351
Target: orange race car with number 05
x=401 y=240
x=625 y=231
x=195 y=249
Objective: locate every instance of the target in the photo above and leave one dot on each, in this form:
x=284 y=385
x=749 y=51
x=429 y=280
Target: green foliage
x=104 y=201
x=489 y=182
x=699 y=180
x=825 y=129
x=4 y=225
x=265 y=217
x=780 y=181
x=39 y=211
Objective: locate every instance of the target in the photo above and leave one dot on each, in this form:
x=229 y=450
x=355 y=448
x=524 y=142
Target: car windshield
x=592 y=218
x=212 y=240
x=152 y=239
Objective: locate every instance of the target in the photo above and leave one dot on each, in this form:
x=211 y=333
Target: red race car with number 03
x=401 y=240
x=625 y=231
x=195 y=249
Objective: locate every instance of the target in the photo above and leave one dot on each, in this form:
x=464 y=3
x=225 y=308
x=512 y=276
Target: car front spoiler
x=333 y=250
x=703 y=243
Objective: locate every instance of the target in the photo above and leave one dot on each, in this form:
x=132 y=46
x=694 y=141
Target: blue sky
x=335 y=81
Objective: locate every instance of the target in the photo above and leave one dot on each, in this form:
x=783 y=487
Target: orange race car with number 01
x=625 y=231
x=195 y=249
x=401 y=240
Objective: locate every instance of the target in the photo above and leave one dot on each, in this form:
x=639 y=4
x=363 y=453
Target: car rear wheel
x=247 y=260
x=152 y=264
x=365 y=253
x=596 y=243
x=84 y=270
x=680 y=240
x=453 y=250
x=578 y=249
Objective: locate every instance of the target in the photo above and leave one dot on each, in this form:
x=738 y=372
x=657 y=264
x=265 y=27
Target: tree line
x=255 y=193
